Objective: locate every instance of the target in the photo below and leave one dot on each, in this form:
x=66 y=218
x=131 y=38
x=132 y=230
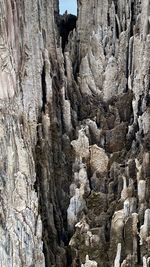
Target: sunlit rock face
x=75 y=134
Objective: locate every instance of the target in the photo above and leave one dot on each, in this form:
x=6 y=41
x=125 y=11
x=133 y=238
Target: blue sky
x=69 y=5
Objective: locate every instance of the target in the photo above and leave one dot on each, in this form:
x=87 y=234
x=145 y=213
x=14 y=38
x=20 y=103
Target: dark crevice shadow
x=44 y=93
x=66 y=24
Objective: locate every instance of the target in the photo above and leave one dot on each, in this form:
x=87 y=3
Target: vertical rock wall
x=74 y=133
x=27 y=32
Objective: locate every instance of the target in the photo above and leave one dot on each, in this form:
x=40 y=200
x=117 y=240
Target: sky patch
x=69 y=5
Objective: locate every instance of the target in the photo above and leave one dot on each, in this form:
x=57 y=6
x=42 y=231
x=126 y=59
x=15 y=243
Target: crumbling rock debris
x=75 y=134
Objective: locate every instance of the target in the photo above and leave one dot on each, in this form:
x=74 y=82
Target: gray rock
x=74 y=134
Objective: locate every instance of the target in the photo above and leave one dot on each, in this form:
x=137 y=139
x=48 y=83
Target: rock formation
x=75 y=134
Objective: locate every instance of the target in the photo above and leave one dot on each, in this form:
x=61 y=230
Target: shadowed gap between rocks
x=44 y=94
x=66 y=24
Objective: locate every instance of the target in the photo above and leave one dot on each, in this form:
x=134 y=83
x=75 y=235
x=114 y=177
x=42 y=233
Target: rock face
x=74 y=134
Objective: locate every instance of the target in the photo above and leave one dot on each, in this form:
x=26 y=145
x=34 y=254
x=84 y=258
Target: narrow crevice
x=127 y=69
x=117 y=29
x=44 y=93
x=132 y=19
x=49 y=185
x=66 y=23
x=140 y=112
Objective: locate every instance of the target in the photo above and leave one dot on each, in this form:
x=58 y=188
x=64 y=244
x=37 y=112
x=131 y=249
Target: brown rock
x=116 y=138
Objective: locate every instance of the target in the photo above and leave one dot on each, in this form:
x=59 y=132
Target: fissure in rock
x=75 y=134
x=43 y=82
x=67 y=23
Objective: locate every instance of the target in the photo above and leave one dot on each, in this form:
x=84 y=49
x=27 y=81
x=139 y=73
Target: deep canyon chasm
x=75 y=134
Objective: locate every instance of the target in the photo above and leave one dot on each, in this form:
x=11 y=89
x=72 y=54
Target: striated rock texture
x=75 y=134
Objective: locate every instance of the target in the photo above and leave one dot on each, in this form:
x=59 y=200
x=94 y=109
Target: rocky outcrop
x=74 y=133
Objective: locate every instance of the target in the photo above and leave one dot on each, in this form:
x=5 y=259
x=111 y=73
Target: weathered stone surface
x=89 y=263
x=98 y=159
x=81 y=145
x=116 y=138
x=74 y=134
x=124 y=105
